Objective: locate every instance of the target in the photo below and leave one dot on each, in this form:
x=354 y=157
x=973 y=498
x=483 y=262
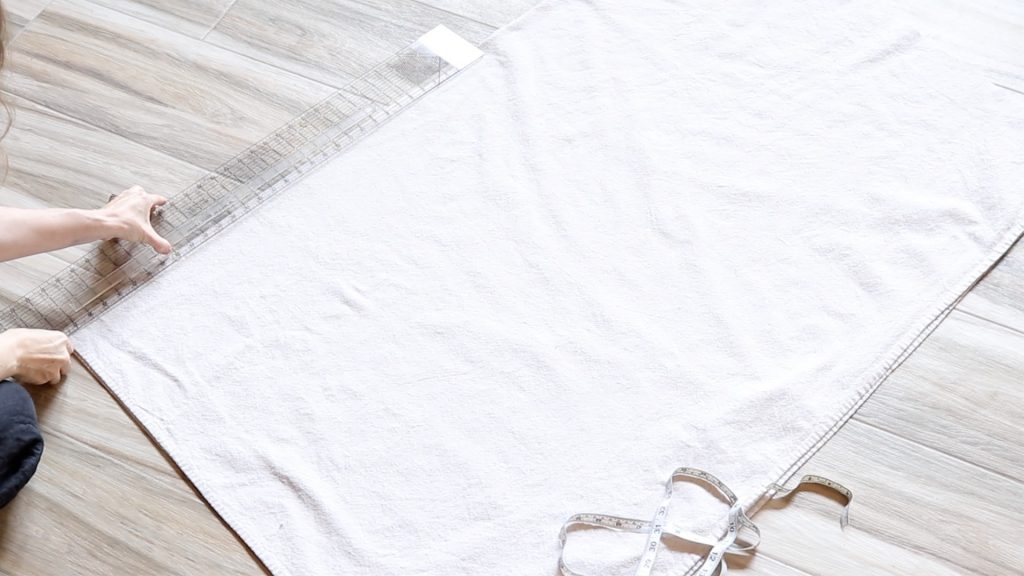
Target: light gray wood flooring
x=111 y=93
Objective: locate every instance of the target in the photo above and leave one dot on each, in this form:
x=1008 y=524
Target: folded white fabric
x=635 y=236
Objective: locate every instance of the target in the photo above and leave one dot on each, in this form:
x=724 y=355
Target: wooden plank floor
x=111 y=93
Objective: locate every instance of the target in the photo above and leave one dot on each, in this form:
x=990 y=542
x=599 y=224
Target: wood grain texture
x=917 y=511
x=1000 y=296
x=332 y=41
x=66 y=163
x=104 y=501
x=489 y=12
x=761 y=565
x=20 y=12
x=939 y=443
x=959 y=394
x=21 y=276
x=169 y=92
x=126 y=93
x=191 y=17
x=59 y=162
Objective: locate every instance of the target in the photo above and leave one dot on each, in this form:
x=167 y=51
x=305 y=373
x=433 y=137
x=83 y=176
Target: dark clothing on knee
x=21 y=444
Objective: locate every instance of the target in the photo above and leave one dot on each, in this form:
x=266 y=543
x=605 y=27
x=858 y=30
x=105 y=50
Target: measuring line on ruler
x=110 y=272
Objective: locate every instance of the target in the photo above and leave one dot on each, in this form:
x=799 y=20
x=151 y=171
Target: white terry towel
x=636 y=236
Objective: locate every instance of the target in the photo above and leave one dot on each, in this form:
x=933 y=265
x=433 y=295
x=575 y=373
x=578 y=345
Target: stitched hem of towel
x=822 y=433
x=921 y=328
x=224 y=512
x=884 y=367
x=813 y=442
x=227 y=516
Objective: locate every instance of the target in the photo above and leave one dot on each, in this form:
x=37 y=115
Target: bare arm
x=43 y=356
x=27 y=232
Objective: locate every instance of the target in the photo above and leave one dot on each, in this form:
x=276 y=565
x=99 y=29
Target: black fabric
x=21 y=444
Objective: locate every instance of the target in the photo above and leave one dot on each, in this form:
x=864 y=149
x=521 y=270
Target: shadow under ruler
x=113 y=270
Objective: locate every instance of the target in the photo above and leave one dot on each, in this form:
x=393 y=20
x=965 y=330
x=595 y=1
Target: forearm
x=26 y=232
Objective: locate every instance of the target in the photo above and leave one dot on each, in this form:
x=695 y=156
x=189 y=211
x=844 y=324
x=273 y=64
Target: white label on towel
x=450 y=47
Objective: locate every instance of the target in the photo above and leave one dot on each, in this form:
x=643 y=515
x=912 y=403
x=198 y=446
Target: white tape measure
x=656 y=529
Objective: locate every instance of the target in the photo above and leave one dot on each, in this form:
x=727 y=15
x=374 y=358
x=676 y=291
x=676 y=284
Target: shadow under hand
x=43 y=397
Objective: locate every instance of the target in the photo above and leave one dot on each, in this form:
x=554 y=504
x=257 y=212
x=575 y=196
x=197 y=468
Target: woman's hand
x=26 y=232
x=34 y=356
x=129 y=214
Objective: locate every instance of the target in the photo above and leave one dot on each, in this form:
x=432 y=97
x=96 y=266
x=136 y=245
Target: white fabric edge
x=921 y=329
x=823 y=432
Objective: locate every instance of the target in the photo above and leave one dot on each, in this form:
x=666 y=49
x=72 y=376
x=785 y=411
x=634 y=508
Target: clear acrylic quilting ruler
x=110 y=272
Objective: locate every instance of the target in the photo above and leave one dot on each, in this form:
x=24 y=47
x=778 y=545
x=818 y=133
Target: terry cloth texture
x=635 y=236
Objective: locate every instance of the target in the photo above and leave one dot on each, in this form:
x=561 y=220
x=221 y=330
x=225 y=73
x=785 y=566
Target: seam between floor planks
x=166 y=475
x=265 y=62
x=907 y=539
x=253 y=57
x=218 y=20
x=887 y=382
x=908 y=543
x=767 y=556
x=940 y=451
x=990 y=321
x=322 y=61
x=9 y=96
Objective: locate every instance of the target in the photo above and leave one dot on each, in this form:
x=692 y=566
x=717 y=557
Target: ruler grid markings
x=113 y=270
